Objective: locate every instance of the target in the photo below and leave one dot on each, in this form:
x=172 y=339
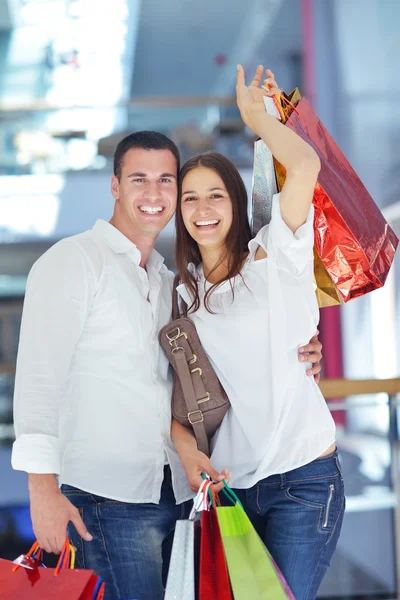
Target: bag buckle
x=205 y=399
x=193 y=413
x=176 y=348
x=173 y=338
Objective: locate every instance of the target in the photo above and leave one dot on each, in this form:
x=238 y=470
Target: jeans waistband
x=320 y=468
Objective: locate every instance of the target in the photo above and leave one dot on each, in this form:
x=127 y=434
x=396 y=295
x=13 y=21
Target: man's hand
x=51 y=512
x=195 y=463
x=312 y=353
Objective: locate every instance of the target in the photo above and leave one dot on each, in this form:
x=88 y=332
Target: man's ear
x=115 y=187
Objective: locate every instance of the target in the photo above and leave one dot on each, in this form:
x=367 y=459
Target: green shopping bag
x=252 y=571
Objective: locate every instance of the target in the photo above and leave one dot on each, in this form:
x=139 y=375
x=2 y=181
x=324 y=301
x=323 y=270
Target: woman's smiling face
x=206 y=207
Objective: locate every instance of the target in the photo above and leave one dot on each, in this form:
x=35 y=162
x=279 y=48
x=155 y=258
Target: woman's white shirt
x=278 y=418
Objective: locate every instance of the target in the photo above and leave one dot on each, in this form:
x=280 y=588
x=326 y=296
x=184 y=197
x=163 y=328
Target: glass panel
x=63 y=139
x=6 y=412
x=364 y=560
x=16 y=533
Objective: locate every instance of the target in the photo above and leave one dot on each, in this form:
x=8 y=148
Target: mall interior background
x=77 y=75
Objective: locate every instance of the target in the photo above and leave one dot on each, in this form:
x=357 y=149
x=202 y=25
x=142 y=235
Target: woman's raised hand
x=270 y=83
x=250 y=99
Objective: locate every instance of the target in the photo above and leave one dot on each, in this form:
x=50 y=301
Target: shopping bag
x=264 y=181
x=27 y=579
x=214 y=579
x=354 y=242
x=325 y=289
x=252 y=571
x=263 y=186
x=181 y=573
x=268 y=179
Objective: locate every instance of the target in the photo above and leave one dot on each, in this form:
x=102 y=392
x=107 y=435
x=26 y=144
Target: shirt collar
x=204 y=285
x=155 y=260
x=120 y=244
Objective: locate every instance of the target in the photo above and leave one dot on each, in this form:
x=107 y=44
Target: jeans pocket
x=324 y=499
x=77 y=541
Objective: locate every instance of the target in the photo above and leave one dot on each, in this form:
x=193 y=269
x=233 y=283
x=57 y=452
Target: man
x=92 y=395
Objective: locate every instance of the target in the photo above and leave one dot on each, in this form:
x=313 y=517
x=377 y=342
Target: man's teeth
x=152 y=210
x=204 y=223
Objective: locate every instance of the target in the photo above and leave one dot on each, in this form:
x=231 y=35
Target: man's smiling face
x=146 y=191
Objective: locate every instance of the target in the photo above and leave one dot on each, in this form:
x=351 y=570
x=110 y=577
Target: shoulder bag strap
x=175 y=305
x=195 y=415
x=176 y=313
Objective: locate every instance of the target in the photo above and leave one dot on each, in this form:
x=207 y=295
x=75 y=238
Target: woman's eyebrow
x=210 y=190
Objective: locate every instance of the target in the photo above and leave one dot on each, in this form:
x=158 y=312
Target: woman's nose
x=203 y=206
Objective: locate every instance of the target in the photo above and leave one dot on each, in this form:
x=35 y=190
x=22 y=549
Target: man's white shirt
x=92 y=399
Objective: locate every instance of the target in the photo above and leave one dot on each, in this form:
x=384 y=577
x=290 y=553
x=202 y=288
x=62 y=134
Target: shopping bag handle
x=67 y=557
x=288 y=103
x=230 y=494
x=30 y=560
x=278 y=100
x=66 y=560
x=200 y=500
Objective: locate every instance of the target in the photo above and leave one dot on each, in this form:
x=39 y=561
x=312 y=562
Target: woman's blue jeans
x=299 y=515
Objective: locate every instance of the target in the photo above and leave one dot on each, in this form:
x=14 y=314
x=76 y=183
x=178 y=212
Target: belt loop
x=283 y=480
x=339 y=468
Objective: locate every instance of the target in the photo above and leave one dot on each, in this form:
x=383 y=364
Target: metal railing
x=342 y=388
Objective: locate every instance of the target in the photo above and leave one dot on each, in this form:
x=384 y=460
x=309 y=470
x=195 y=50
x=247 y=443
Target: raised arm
x=300 y=160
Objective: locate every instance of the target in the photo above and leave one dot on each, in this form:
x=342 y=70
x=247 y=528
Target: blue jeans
x=299 y=516
x=131 y=542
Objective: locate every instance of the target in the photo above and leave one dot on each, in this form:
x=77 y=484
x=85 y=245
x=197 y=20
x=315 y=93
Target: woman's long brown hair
x=237 y=239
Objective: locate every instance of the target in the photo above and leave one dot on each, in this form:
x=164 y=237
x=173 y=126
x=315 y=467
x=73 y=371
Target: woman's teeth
x=205 y=223
x=151 y=210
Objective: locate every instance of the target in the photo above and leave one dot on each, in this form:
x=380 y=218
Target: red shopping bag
x=352 y=238
x=28 y=580
x=214 y=578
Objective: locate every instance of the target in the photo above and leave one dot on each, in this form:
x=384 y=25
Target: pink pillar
x=330 y=322
x=308 y=49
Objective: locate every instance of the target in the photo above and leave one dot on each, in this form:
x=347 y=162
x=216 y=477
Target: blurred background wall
x=78 y=75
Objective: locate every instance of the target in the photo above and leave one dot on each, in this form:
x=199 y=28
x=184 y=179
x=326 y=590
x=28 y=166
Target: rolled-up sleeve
x=57 y=301
x=290 y=251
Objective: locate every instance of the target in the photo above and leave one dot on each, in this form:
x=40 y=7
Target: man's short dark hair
x=147 y=140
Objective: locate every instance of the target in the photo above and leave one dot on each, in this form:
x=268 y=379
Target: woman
x=253 y=304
